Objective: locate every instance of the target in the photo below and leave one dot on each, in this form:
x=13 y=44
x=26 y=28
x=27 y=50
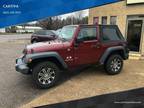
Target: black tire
x=114 y=64
x=41 y=77
x=34 y=41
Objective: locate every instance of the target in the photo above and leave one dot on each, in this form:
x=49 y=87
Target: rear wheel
x=114 y=64
x=46 y=74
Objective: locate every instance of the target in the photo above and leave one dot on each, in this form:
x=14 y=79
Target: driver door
x=86 y=46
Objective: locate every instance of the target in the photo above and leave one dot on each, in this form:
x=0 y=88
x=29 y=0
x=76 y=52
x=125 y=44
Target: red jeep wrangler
x=79 y=45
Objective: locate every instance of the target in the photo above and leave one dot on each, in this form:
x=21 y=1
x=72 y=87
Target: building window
x=96 y=20
x=104 y=20
x=113 y=20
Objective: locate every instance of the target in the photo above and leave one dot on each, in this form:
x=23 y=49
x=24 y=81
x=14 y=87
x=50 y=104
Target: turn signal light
x=29 y=60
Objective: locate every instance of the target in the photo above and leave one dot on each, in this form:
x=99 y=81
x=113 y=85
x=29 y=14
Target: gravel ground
x=17 y=89
x=11 y=37
x=91 y=82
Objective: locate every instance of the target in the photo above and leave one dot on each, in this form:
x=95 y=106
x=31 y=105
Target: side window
x=110 y=34
x=49 y=33
x=87 y=33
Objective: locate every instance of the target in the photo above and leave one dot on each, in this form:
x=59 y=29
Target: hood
x=45 y=46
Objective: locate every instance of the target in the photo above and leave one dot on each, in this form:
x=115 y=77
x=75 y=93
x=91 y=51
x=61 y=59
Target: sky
x=83 y=12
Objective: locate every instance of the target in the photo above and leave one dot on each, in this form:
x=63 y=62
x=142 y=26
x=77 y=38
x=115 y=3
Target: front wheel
x=34 y=41
x=114 y=64
x=46 y=74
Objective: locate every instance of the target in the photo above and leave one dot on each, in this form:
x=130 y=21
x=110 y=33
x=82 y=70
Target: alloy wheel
x=116 y=64
x=46 y=76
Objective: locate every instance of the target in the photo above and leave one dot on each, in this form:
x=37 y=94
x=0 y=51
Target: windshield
x=67 y=32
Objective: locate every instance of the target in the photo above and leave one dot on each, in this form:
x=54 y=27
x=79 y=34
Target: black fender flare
x=42 y=55
x=109 y=51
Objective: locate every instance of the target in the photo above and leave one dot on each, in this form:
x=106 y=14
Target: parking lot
x=14 y=87
x=17 y=89
x=12 y=37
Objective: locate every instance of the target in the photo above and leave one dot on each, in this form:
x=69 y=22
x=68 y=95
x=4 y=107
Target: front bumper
x=21 y=66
